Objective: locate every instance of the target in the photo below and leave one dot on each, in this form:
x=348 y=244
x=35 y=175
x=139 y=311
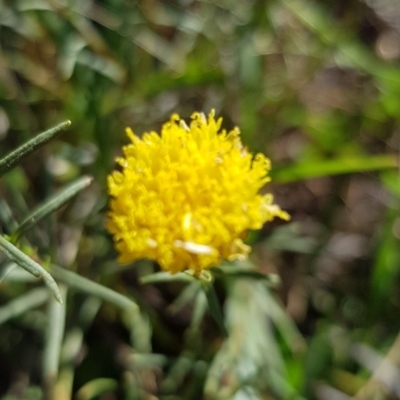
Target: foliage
x=312 y=314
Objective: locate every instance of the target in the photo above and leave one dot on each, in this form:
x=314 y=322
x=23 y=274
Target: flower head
x=186 y=198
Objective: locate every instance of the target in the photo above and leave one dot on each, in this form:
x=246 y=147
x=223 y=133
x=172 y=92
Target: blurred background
x=315 y=85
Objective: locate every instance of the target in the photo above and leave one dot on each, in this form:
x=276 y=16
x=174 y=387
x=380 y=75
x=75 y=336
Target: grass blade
x=11 y=160
x=315 y=169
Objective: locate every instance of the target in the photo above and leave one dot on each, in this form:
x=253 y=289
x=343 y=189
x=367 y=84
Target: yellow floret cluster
x=186 y=198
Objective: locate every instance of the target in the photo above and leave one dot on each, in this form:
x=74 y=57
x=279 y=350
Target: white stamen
x=274 y=209
x=152 y=243
x=194 y=248
x=184 y=125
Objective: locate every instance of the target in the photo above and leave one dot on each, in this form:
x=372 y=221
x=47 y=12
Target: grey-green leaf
x=161 y=277
x=23 y=303
x=11 y=160
x=85 y=285
x=214 y=306
x=29 y=265
x=53 y=203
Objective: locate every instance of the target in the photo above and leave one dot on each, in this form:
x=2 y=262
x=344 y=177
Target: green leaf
x=186 y=296
x=214 y=306
x=199 y=309
x=315 y=169
x=29 y=265
x=85 y=285
x=6 y=216
x=289 y=237
x=53 y=203
x=23 y=303
x=251 y=353
x=54 y=338
x=226 y=270
x=391 y=180
x=161 y=277
x=11 y=160
x=386 y=267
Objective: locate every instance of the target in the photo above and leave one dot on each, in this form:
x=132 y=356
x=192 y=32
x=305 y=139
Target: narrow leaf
x=23 y=303
x=199 y=309
x=11 y=160
x=29 y=265
x=214 y=306
x=161 y=277
x=54 y=338
x=85 y=285
x=229 y=270
x=314 y=169
x=6 y=216
x=186 y=296
x=53 y=203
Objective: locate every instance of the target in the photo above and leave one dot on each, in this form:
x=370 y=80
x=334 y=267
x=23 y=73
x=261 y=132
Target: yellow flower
x=188 y=197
